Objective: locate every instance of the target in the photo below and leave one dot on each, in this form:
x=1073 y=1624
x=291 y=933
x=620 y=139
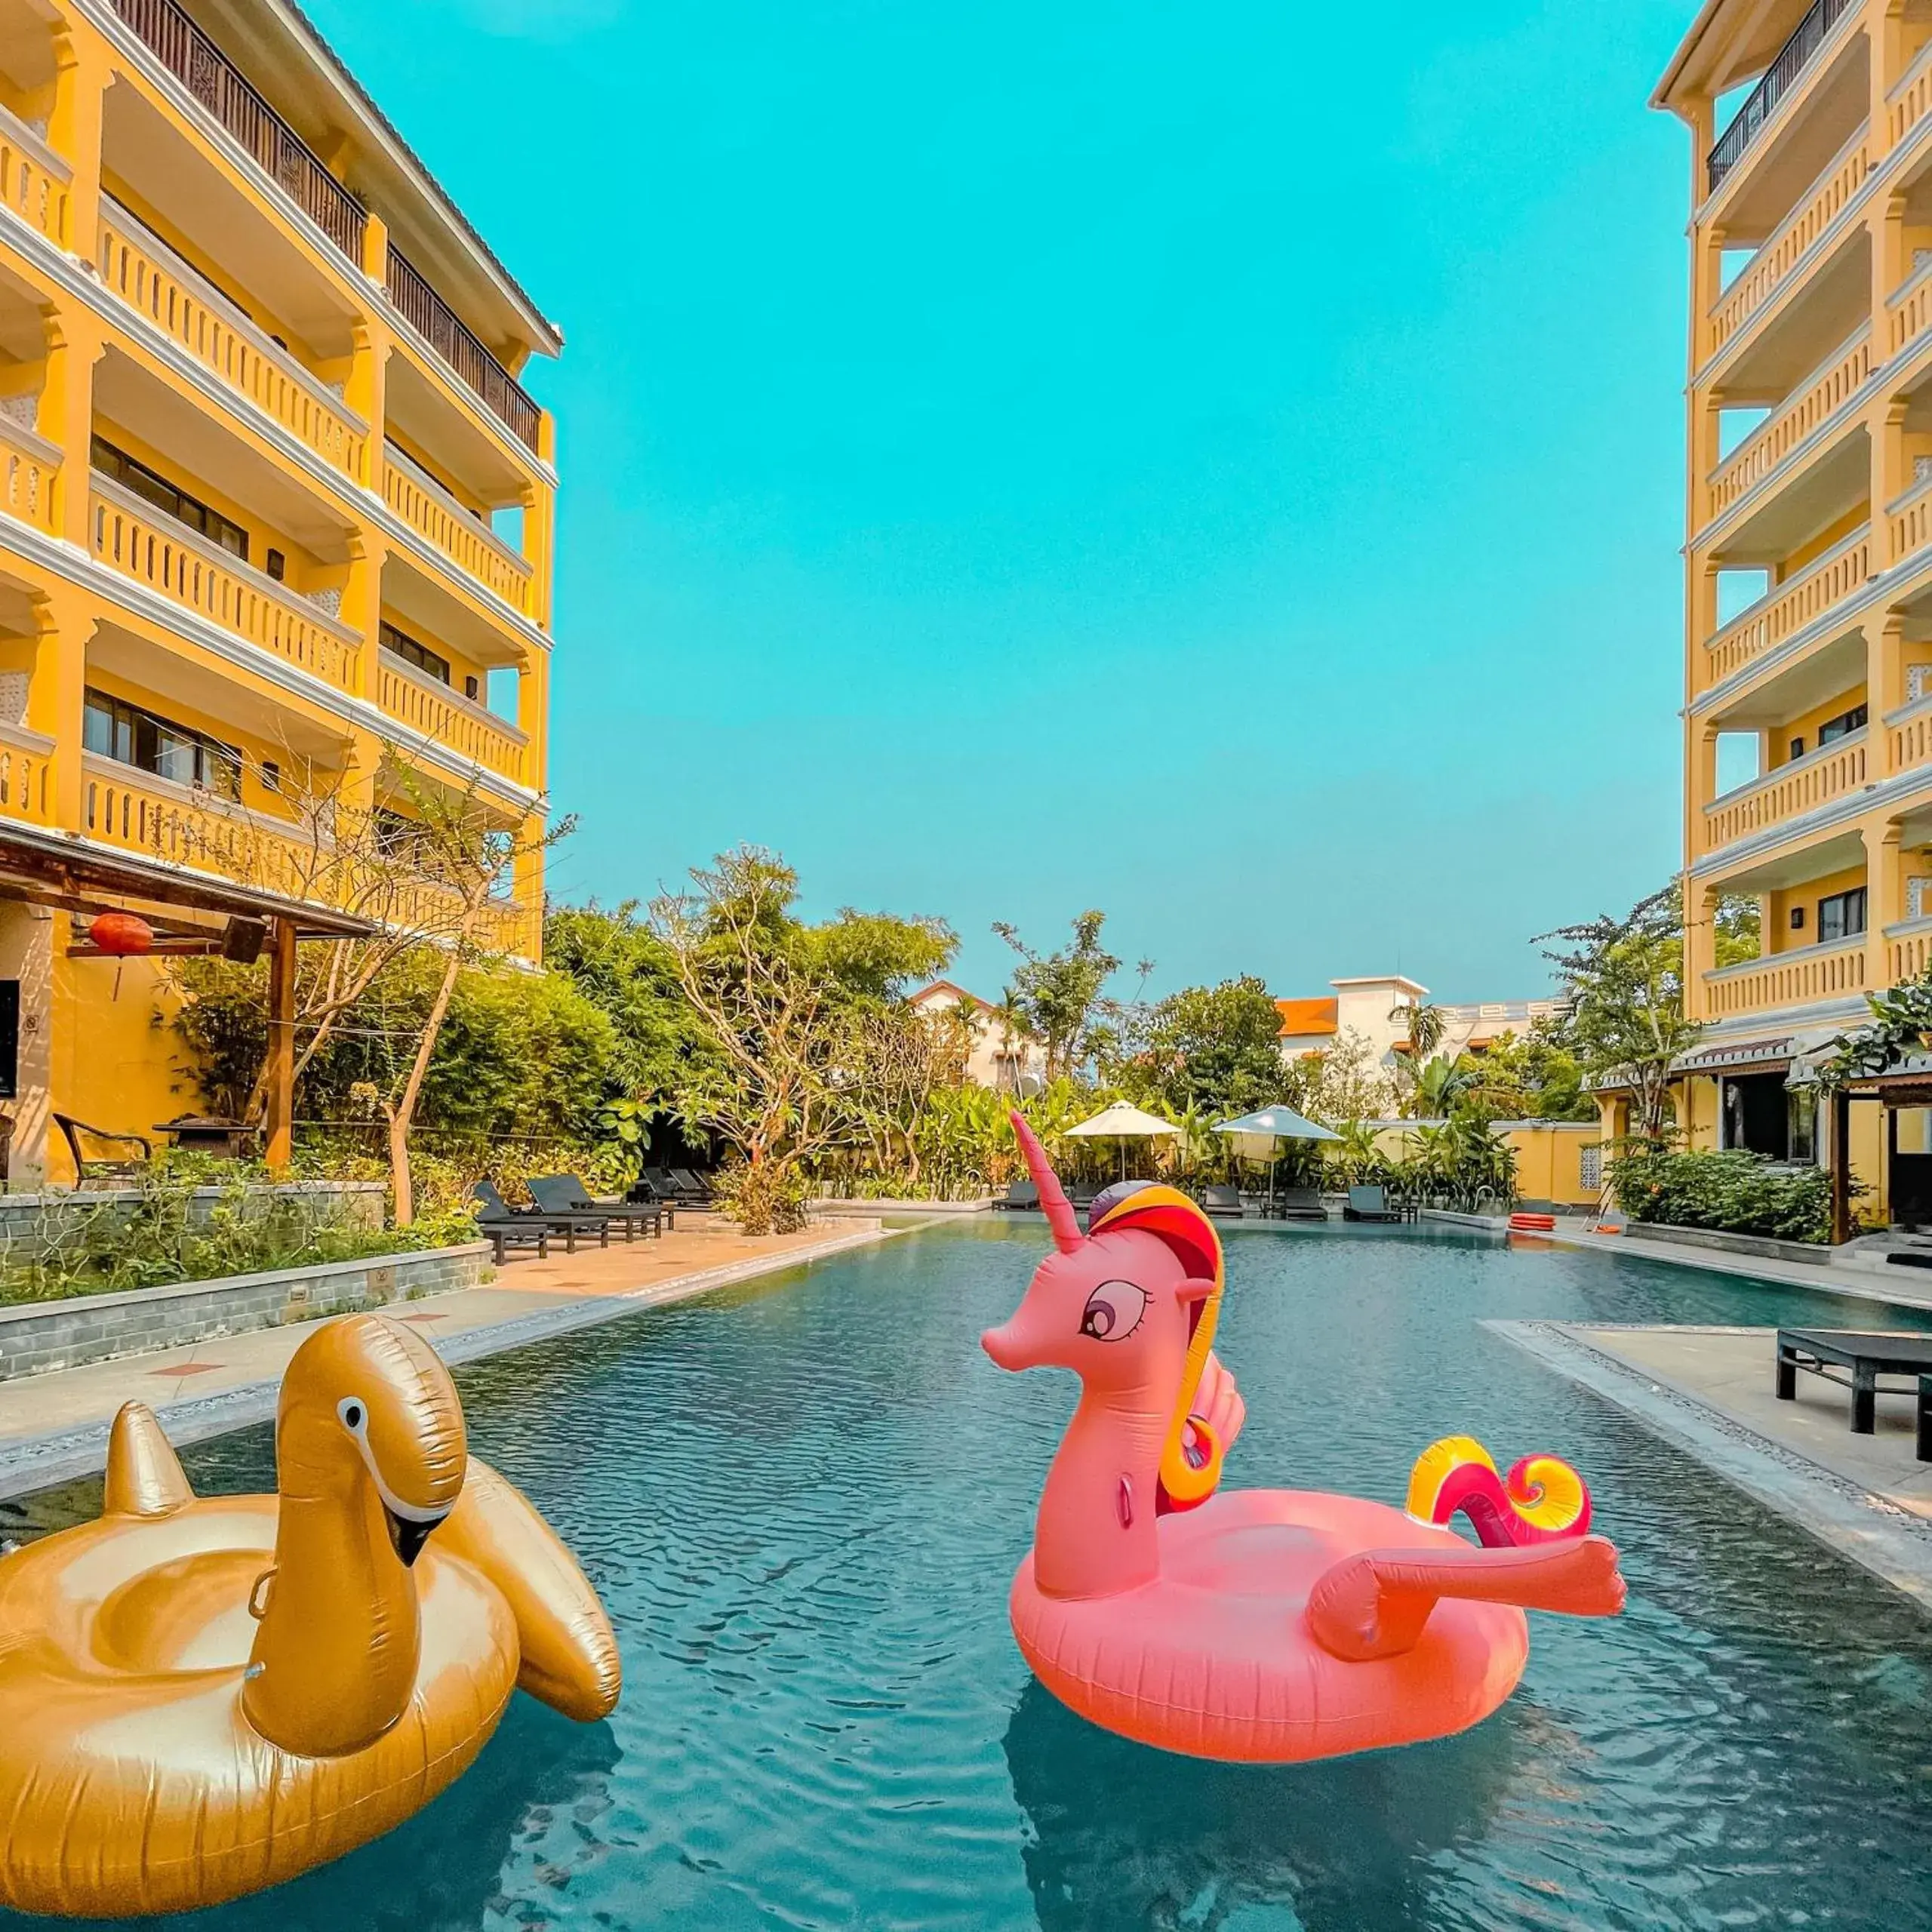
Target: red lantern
x=122 y=934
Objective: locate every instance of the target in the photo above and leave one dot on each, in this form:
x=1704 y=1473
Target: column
x=1884 y=687
x=1886 y=224
x=1884 y=896
x=1701 y=758
x=66 y=416
x=64 y=624
x=1700 y=944
x=1885 y=426
x=1884 y=33
x=539 y=504
x=280 y=1082
x=81 y=75
x=362 y=604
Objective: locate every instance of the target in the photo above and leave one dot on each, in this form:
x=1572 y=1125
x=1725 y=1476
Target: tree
x=1623 y=1000
x=793 y=1018
x=617 y=962
x=1441 y=1087
x=1342 y=1083
x=1533 y=1077
x=1426 y=1025
x=1059 y=995
x=1217 y=1049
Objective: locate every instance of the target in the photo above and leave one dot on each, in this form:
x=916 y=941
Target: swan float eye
x=1113 y=1311
x=353 y=1414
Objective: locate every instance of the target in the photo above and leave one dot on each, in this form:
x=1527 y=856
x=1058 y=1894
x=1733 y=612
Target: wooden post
x=282 y=1046
x=1841 y=1167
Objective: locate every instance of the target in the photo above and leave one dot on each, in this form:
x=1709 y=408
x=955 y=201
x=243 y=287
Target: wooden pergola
x=55 y=869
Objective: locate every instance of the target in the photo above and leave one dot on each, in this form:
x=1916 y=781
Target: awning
x=1737 y=1056
x=75 y=874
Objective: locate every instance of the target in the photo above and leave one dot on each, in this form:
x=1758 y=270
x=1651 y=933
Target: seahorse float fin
x=144 y=1475
x=569 y=1651
x=1375 y=1604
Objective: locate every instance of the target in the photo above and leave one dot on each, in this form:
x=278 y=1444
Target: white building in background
x=1377 y=1010
x=1008 y=1062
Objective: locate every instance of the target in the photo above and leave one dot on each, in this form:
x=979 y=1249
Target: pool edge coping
x=1891 y=1543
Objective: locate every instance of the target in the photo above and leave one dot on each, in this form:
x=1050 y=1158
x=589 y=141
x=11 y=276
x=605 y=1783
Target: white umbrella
x=1122 y=1121
x=1274 y=1125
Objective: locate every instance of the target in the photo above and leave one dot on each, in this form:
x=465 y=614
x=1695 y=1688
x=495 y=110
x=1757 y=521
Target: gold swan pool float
x=198 y=1699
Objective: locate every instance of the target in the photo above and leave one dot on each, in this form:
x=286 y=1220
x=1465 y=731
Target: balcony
x=24 y=763
x=1787 y=607
x=139 y=542
x=1822 y=395
x=1787 y=791
x=433 y=319
x=277 y=150
x=1780 y=78
x=1805 y=976
x=28 y=466
x=144 y=273
x=432 y=709
x=34 y=180
x=465 y=539
x=1769 y=269
x=218 y=85
x=182 y=825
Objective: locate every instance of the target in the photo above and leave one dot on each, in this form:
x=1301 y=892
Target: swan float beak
x=408 y=1534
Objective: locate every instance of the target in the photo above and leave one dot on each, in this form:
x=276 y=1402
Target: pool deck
x=53 y=1427
x=1905 y=1287
x=1710 y=1391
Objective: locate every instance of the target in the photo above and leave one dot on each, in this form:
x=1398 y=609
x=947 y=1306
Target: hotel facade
x=276 y=522
x=1808 y=559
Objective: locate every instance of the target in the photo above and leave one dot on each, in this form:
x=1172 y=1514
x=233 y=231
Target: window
x=1590 y=1166
x=1797 y=748
x=10 y=1039
x=154 y=488
x=400 y=644
x=271 y=775
x=1842 y=915
x=113 y=728
x=1842 y=726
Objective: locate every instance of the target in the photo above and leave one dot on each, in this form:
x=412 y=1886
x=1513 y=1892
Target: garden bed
x=37 y=1337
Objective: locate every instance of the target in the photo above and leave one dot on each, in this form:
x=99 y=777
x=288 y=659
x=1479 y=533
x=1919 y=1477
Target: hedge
x=1735 y=1193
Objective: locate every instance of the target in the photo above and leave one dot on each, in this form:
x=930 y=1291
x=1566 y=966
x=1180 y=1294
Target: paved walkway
x=1711 y=1391
x=53 y=1427
x=1906 y=1287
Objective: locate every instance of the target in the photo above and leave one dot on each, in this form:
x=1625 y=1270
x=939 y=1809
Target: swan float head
x=370 y=1455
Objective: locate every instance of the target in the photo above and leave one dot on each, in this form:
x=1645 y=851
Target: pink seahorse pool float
x=1263 y=1625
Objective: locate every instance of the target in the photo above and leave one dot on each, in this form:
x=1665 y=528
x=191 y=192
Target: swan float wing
x=569 y=1651
x=144 y=1475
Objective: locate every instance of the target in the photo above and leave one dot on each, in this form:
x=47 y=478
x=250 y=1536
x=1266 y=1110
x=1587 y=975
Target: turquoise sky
x=1219 y=463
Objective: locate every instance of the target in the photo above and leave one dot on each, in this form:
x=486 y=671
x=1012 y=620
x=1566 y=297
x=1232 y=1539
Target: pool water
x=803 y=1500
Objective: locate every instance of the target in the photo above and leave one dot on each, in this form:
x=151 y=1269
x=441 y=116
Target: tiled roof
x=1300 y=1016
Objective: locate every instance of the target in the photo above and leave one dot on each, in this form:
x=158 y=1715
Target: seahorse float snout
x=201 y=1698
x=1263 y=1625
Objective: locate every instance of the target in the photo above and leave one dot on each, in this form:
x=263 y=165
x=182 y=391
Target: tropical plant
x=1216 y=1048
x=1059 y=996
x=1734 y=1191
x=1623 y=1001
x=1901 y=1024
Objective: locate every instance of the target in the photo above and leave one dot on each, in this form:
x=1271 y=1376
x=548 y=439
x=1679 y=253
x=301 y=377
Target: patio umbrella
x=1275 y=1125
x=1123 y=1122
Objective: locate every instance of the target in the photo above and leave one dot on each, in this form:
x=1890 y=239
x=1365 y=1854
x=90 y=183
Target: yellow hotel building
x=1808 y=558
x=274 y=512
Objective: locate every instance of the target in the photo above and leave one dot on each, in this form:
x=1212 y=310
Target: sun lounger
x=1369 y=1204
x=1221 y=1202
x=1020 y=1194
x=565 y=1194
x=503 y=1236
x=693 y=1189
x=493 y=1210
x=1301 y=1204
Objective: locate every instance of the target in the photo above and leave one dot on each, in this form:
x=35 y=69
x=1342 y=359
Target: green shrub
x=1733 y=1193
x=763 y=1200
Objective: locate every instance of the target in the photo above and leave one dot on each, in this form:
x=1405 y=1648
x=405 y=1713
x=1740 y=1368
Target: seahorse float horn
x=1059 y=1210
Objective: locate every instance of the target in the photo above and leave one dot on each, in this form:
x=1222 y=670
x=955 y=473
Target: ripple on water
x=803 y=1502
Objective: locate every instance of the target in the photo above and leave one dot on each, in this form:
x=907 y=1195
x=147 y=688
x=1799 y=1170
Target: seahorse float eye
x=1264 y=1625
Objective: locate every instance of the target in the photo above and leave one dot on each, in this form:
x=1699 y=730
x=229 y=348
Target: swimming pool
x=803 y=1500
